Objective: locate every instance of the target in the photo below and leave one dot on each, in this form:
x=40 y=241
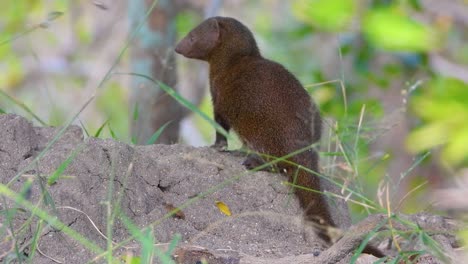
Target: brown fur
x=263 y=102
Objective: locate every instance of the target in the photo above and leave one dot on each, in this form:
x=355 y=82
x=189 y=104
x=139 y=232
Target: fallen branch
x=439 y=227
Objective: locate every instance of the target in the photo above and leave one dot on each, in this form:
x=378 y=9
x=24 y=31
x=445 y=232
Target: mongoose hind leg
x=254 y=160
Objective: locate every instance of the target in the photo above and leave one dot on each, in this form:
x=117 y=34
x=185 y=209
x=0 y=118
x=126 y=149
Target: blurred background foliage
x=390 y=76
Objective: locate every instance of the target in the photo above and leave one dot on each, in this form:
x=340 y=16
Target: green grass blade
x=23 y=106
x=59 y=171
x=8 y=216
x=101 y=83
x=201 y=195
x=136 y=112
x=173 y=244
x=381 y=260
x=434 y=247
x=112 y=133
x=324 y=177
x=17 y=36
x=48 y=200
x=146 y=239
x=166 y=257
x=35 y=241
x=332 y=154
x=135 y=116
x=414 y=165
x=113 y=206
x=182 y=101
x=98 y=132
x=52 y=220
x=366 y=241
x=134 y=32
x=84 y=128
x=50 y=17
x=157 y=134
x=51 y=143
x=109 y=214
x=396 y=260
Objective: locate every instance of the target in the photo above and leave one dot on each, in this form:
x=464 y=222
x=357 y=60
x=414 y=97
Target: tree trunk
x=152 y=55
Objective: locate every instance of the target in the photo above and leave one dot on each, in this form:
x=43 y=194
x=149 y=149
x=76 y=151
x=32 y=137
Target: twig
x=408 y=194
x=49 y=257
x=89 y=218
x=389 y=215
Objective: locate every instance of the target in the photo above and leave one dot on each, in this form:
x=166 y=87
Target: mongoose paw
x=220 y=146
x=253 y=161
x=316 y=251
x=317 y=248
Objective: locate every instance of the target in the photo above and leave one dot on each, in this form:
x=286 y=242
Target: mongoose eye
x=192 y=38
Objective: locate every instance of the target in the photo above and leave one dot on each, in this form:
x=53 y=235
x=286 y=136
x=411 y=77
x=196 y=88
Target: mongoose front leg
x=221 y=141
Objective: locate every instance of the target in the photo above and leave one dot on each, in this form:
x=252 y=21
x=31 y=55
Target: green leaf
x=186 y=21
x=427 y=137
x=328 y=15
x=415 y=4
x=463 y=234
x=13 y=74
x=131 y=259
x=392 y=30
x=443 y=110
x=456 y=150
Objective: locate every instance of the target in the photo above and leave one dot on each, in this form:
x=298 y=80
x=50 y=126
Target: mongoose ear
x=214 y=34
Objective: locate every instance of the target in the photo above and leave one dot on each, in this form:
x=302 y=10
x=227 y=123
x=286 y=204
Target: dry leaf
x=223 y=208
x=178 y=214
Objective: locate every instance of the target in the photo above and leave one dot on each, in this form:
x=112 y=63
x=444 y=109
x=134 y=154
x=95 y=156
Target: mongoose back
x=262 y=102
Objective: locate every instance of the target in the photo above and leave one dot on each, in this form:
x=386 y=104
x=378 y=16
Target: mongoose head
x=199 y=42
x=217 y=36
